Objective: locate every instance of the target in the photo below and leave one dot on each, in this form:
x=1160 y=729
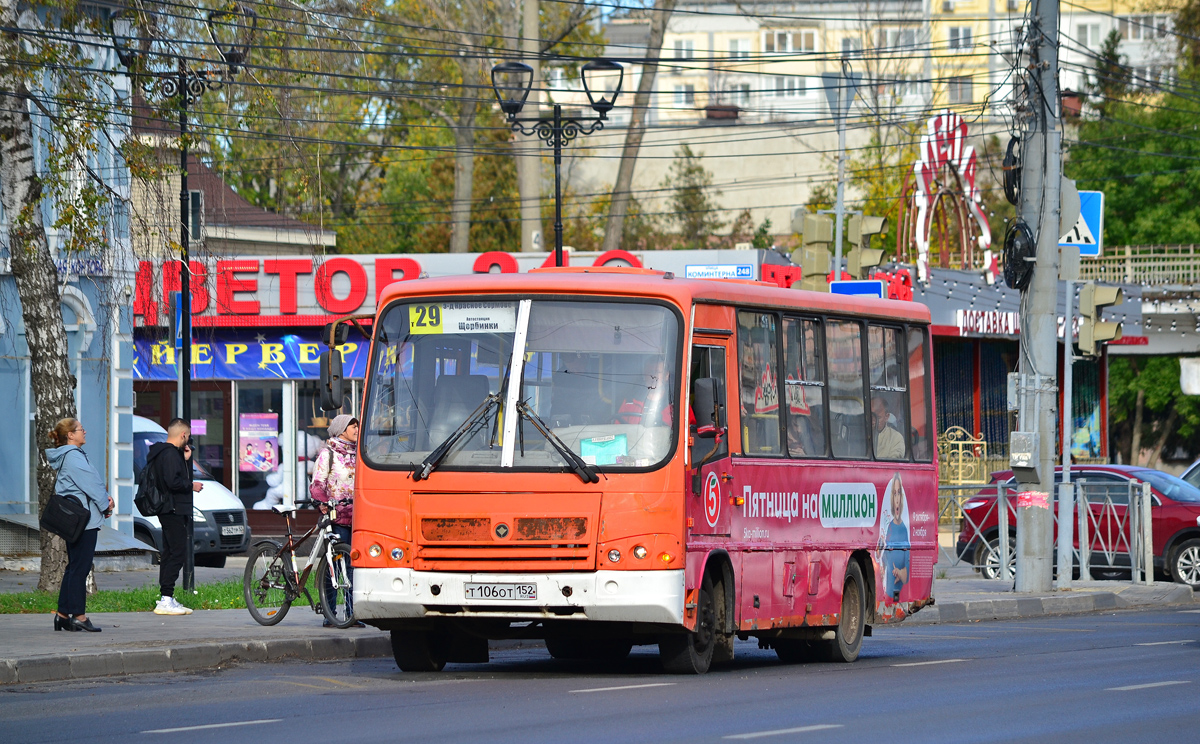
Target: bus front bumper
x=616 y=596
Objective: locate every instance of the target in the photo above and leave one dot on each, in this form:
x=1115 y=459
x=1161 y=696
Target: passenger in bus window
x=651 y=405
x=800 y=436
x=889 y=443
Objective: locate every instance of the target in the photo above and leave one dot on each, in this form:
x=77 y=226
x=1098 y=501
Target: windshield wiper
x=469 y=426
x=586 y=472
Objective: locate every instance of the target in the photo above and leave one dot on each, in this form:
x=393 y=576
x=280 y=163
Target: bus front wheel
x=418 y=651
x=692 y=653
x=848 y=636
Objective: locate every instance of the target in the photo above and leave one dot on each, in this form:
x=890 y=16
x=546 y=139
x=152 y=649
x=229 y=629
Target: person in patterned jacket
x=333 y=478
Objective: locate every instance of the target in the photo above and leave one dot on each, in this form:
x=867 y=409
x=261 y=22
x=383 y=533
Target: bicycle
x=273 y=580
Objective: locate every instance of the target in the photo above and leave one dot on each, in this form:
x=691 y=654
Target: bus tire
x=848 y=635
x=418 y=651
x=692 y=653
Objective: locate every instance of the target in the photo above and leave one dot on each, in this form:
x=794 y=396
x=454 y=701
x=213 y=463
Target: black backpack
x=151 y=499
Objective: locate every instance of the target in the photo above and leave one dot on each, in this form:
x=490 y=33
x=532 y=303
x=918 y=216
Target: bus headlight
x=640 y=552
x=614 y=556
x=375 y=551
x=397 y=554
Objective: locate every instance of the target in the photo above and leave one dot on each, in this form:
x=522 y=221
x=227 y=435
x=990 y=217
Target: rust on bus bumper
x=607 y=596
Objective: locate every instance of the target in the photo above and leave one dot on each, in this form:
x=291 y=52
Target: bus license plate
x=236 y=529
x=501 y=591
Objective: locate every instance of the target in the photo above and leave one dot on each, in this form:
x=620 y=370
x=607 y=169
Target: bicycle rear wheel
x=333 y=579
x=266 y=584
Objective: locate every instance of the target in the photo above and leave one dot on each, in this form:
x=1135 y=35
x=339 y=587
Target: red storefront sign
x=256 y=291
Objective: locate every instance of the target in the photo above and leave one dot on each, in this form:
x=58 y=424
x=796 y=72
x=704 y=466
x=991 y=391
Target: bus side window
x=918 y=396
x=889 y=393
x=804 y=388
x=757 y=339
x=847 y=414
x=708 y=362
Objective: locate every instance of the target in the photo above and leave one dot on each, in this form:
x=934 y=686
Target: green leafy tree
x=692 y=201
x=1147 y=408
x=1108 y=85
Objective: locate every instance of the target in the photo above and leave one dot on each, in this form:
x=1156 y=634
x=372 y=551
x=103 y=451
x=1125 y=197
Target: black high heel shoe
x=62 y=623
x=85 y=625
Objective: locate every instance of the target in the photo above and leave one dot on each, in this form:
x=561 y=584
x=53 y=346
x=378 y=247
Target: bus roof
x=654 y=284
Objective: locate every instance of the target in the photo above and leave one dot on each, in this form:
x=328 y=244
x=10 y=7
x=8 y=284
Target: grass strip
x=225 y=595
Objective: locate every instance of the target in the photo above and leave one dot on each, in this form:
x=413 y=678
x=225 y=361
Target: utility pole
x=1041 y=155
x=529 y=161
x=840 y=89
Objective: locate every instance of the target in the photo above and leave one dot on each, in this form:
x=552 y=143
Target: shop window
x=758 y=358
x=804 y=388
x=889 y=393
x=257 y=451
x=847 y=414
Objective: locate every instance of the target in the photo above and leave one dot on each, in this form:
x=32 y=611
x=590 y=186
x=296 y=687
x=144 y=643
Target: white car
x=218 y=517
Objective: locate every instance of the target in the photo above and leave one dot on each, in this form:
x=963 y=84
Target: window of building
x=757 y=360
x=739 y=48
x=780 y=42
x=851 y=47
x=685 y=95
x=961 y=90
x=740 y=92
x=556 y=79
x=788 y=86
x=804 y=387
x=960 y=37
x=806 y=41
x=1088 y=35
x=897 y=38
x=1137 y=28
x=685 y=49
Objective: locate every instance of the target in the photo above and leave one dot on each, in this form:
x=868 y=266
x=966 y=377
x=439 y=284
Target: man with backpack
x=169 y=468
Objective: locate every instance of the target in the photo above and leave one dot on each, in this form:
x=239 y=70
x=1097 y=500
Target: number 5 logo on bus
x=712 y=499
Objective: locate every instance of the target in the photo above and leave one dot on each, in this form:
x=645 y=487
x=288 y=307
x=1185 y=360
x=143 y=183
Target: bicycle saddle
x=282 y=509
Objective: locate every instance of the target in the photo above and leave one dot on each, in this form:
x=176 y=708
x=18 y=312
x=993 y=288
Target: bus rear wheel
x=848 y=635
x=418 y=651
x=692 y=653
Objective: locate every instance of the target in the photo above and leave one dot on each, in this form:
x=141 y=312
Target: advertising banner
x=258 y=442
x=222 y=354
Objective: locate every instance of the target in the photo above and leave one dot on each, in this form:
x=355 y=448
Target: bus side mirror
x=341 y=333
x=332 y=386
x=707 y=407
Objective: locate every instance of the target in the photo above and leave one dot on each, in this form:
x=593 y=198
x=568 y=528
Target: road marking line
x=1190 y=612
x=927 y=663
x=212 y=726
x=778 y=732
x=1149 y=685
x=333 y=681
x=626 y=687
x=1163 y=643
x=305 y=684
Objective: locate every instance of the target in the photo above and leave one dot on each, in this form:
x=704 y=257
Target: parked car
x=1174 y=513
x=1192 y=474
x=218 y=517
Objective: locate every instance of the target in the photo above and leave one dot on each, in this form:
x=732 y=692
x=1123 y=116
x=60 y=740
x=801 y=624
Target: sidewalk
x=142 y=642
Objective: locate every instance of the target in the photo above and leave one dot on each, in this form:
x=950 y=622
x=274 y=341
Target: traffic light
x=1093 y=331
x=861 y=258
x=813 y=256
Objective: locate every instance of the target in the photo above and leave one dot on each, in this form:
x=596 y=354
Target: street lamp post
x=232 y=31
x=512 y=81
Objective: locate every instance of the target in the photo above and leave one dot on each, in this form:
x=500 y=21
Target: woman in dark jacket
x=79 y=480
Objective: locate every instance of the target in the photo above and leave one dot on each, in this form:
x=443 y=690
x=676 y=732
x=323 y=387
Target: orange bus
x=604 y=458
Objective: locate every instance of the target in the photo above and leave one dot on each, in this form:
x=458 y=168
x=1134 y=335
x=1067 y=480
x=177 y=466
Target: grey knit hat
x=339 y=424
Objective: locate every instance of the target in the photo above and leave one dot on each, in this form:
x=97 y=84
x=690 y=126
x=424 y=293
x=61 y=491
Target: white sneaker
x=170 y=606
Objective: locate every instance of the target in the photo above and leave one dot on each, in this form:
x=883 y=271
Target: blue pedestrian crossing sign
x=1088 y=232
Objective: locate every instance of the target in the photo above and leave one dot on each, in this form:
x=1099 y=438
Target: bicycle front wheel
x=333 y=579
x=266 y=584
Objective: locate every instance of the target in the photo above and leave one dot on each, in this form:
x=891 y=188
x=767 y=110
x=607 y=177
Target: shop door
x=211 y=428
x=257 y=450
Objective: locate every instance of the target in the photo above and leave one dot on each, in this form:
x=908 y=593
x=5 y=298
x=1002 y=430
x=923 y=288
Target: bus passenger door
x=708 y=438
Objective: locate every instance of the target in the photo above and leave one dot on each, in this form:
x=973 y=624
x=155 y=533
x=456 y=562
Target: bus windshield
x=603 y=377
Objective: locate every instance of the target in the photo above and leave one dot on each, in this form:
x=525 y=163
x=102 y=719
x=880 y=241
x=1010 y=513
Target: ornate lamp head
x=511 y=81
x=595 y=75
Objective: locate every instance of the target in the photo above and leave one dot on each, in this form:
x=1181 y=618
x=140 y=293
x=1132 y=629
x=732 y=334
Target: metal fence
x=1145 y=264
x=1114 y=532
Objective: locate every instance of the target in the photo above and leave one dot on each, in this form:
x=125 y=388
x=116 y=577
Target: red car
x=1175 y=517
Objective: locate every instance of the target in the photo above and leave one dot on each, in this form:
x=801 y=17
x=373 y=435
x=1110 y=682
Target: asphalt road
x=1129 y=676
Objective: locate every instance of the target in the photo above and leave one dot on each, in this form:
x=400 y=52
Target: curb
x=187 y=657
x=1029 y=607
